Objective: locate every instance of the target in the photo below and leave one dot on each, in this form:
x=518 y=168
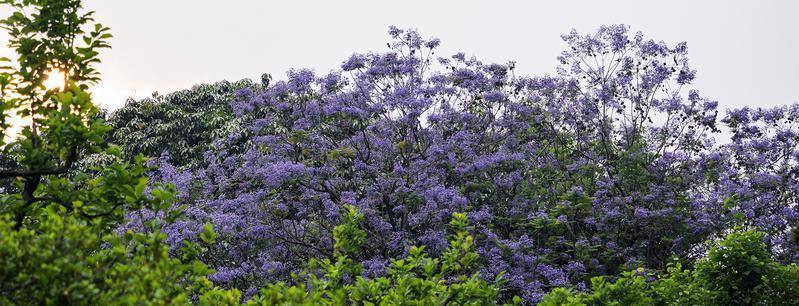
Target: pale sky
x=745 y=51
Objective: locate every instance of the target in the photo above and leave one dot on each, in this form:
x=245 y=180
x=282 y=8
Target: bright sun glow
x=55 y=79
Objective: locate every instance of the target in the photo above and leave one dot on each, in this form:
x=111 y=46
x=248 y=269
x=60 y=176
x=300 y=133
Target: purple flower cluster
x=607 y=164
x=760 y=183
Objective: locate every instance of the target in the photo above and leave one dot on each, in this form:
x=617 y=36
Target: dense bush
x=64 y=260
x=739 y=270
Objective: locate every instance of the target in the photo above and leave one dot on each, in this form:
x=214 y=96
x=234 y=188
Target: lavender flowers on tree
x=608 y=164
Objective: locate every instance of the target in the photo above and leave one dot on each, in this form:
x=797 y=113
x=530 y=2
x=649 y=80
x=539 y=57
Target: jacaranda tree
x=611 y=163
x=759 y=186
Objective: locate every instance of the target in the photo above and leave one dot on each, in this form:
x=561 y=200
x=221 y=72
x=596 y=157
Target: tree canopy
x=404 y=177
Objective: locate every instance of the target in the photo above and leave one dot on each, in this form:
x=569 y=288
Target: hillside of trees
x=406 y=177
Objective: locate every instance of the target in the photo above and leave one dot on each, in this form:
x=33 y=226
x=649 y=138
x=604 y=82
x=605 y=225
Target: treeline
x=404 y=177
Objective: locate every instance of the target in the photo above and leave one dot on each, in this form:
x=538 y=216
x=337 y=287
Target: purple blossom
x=563 y=177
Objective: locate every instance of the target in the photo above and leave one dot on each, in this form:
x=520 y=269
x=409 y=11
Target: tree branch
x=71 y=159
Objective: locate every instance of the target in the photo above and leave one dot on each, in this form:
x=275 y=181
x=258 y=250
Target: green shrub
x=738 y=270
x=415 y=279
x=64 y=260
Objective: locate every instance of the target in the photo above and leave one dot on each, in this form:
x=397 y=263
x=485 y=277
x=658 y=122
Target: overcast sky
x=746 y=52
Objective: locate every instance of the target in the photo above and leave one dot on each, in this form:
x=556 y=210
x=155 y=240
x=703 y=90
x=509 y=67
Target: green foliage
x=52 y=35
x=415 y=279
x=741 y=271
x=682 y=288
x=48 y=36
x=738 y=270
x=57 y=246
x=629 y=289
x=347 y=235
x=182 y=124
x=64 y=260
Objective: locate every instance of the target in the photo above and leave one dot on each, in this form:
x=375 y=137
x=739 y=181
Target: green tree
x=49 y=36
x=182 y=124
x=57 y=246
